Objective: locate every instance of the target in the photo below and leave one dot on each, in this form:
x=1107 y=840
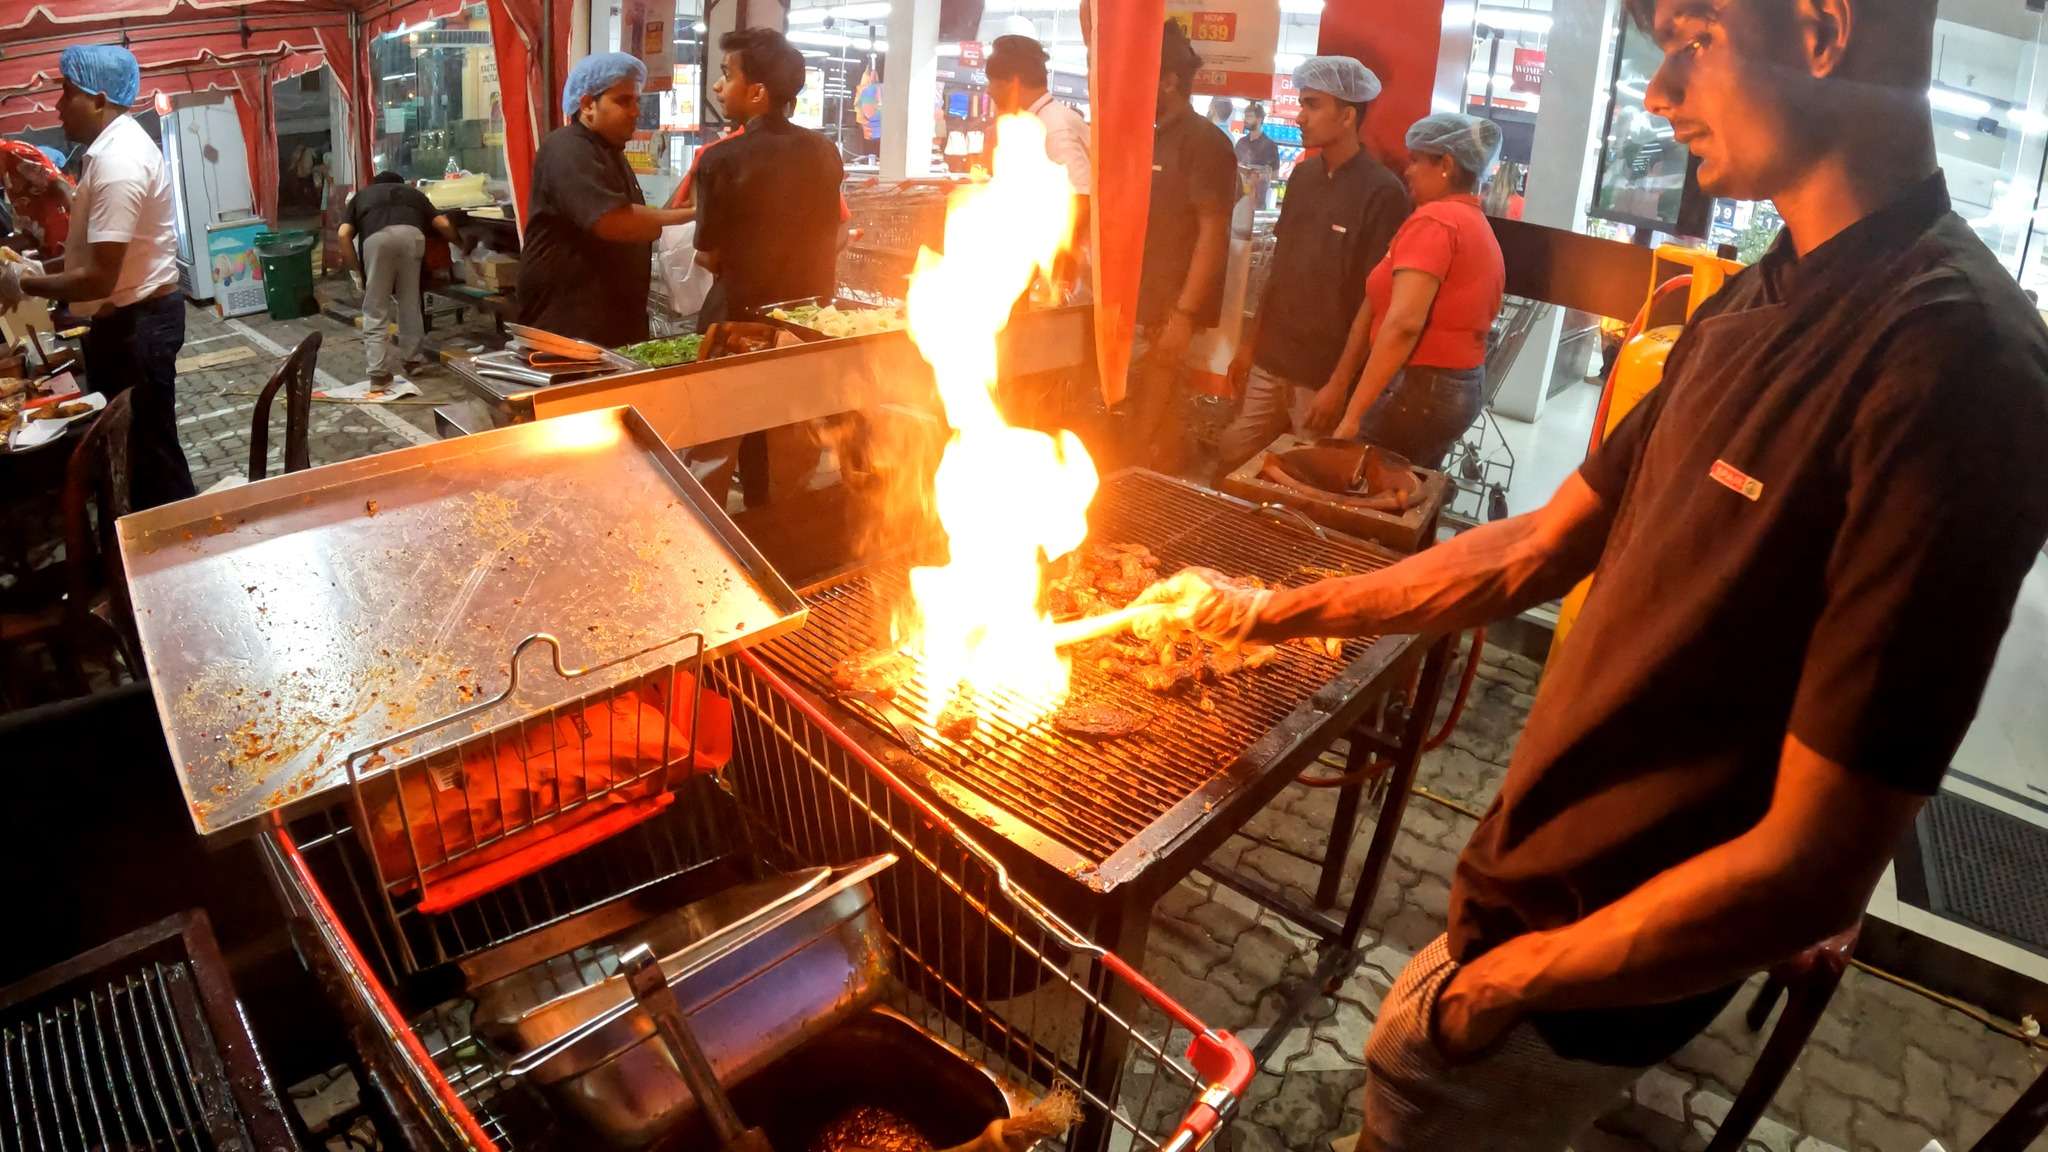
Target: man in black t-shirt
x=390 y=220
x=587 y=262
x=1342 y=209
x=768 y=222
x=1809 y=540
x=769 y=226
x=1255 y=149
x=1187 y=241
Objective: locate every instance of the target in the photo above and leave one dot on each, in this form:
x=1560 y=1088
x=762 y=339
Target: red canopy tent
x=245 y=46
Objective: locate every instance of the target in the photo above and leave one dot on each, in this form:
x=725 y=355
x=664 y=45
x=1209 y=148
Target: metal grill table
x=135 y=1044
x=1100 y=829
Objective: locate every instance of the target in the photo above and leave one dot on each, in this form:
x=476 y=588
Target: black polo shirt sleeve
x=1607 y=470
x=1212 y=172
x=580 y=191
x=1945 y=510
x=1386 y=209
x=711 y=216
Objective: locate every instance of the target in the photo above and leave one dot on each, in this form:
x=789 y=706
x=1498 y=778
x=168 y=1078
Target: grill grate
x=113 y=1050
x=1091 y=799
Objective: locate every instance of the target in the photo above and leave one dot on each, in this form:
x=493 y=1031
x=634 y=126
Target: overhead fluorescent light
x=1301 y=7
x=835 y=40
x=1958 y=103
x=874 y=10
x=1515 y=19
x=1961 y=135
x=699 y=28
x=2026 y=120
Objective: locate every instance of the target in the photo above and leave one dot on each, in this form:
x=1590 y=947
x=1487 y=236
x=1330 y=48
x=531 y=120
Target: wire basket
x=446 y=828
x=977 y=961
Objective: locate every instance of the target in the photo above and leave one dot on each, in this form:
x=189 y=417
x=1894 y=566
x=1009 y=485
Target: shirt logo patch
x=1338 y=228
x=1736 y=480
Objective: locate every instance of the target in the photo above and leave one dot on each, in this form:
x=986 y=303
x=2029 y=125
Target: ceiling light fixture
x=1958 y=103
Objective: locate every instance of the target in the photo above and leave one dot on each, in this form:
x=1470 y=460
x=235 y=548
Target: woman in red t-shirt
x=1430 y=303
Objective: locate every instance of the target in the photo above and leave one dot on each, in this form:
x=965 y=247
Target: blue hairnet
x=594 y=75
x=102 y=70
x=1340 y=76
x=1474 y=143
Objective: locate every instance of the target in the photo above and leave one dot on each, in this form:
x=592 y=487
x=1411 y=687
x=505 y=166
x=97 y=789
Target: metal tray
x=288 y=621
x=757 y=987
x=512 y=1010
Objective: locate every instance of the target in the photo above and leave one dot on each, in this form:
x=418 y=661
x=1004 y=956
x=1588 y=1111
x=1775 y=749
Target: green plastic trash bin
x=287 y=259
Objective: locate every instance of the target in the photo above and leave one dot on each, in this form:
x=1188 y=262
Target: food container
x=759 y=970
x=877 y=1059
x=811 y=335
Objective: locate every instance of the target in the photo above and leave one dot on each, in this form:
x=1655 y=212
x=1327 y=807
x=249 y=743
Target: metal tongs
x=650 y=988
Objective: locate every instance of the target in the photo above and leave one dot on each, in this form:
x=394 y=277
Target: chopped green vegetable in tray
x=664 y=353
x=836 y=324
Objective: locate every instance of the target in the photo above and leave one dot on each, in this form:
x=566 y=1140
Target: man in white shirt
x=1017 y=83
x=120 y=269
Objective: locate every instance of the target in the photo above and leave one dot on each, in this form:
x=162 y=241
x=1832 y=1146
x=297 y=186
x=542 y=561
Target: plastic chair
x=1807 y=981
x=295 y=376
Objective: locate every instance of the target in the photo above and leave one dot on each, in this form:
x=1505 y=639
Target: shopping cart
x=890 y=223
x=978 y=962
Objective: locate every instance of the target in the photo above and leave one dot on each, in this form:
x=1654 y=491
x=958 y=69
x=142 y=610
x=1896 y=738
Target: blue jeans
x=137 y=347
x=1423 y=412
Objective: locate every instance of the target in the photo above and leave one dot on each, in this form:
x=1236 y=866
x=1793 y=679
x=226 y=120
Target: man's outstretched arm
x=1480 y=575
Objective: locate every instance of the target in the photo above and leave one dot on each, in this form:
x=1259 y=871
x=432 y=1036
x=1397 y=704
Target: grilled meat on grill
x=1223 y=662
x=1100 y=577
x=1098 y=721
x=876 y=672
x=958 y=721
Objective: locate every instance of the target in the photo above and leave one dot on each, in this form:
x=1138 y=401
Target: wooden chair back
x=295 y=377
x=1807 y=982
x=96 y=481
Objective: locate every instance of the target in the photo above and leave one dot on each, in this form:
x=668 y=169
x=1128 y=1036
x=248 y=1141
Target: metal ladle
x=650 y=988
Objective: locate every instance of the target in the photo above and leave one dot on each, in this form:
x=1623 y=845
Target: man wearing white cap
x=120 y=268
x=1341 y=210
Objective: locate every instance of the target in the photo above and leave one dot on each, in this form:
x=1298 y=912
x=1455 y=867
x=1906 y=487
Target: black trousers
x=137 y=347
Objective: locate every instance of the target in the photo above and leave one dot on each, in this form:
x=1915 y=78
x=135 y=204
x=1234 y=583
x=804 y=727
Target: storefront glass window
x=439 y=114
x=1532 y=62
x=1505 y=84
x=674 y=121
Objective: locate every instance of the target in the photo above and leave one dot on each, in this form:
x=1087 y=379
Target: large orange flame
x=1009 y=498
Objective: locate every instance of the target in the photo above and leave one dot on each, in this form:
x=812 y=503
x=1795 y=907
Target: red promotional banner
x=1528 y=70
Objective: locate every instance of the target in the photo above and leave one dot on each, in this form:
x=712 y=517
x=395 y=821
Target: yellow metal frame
x=1640 y=367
